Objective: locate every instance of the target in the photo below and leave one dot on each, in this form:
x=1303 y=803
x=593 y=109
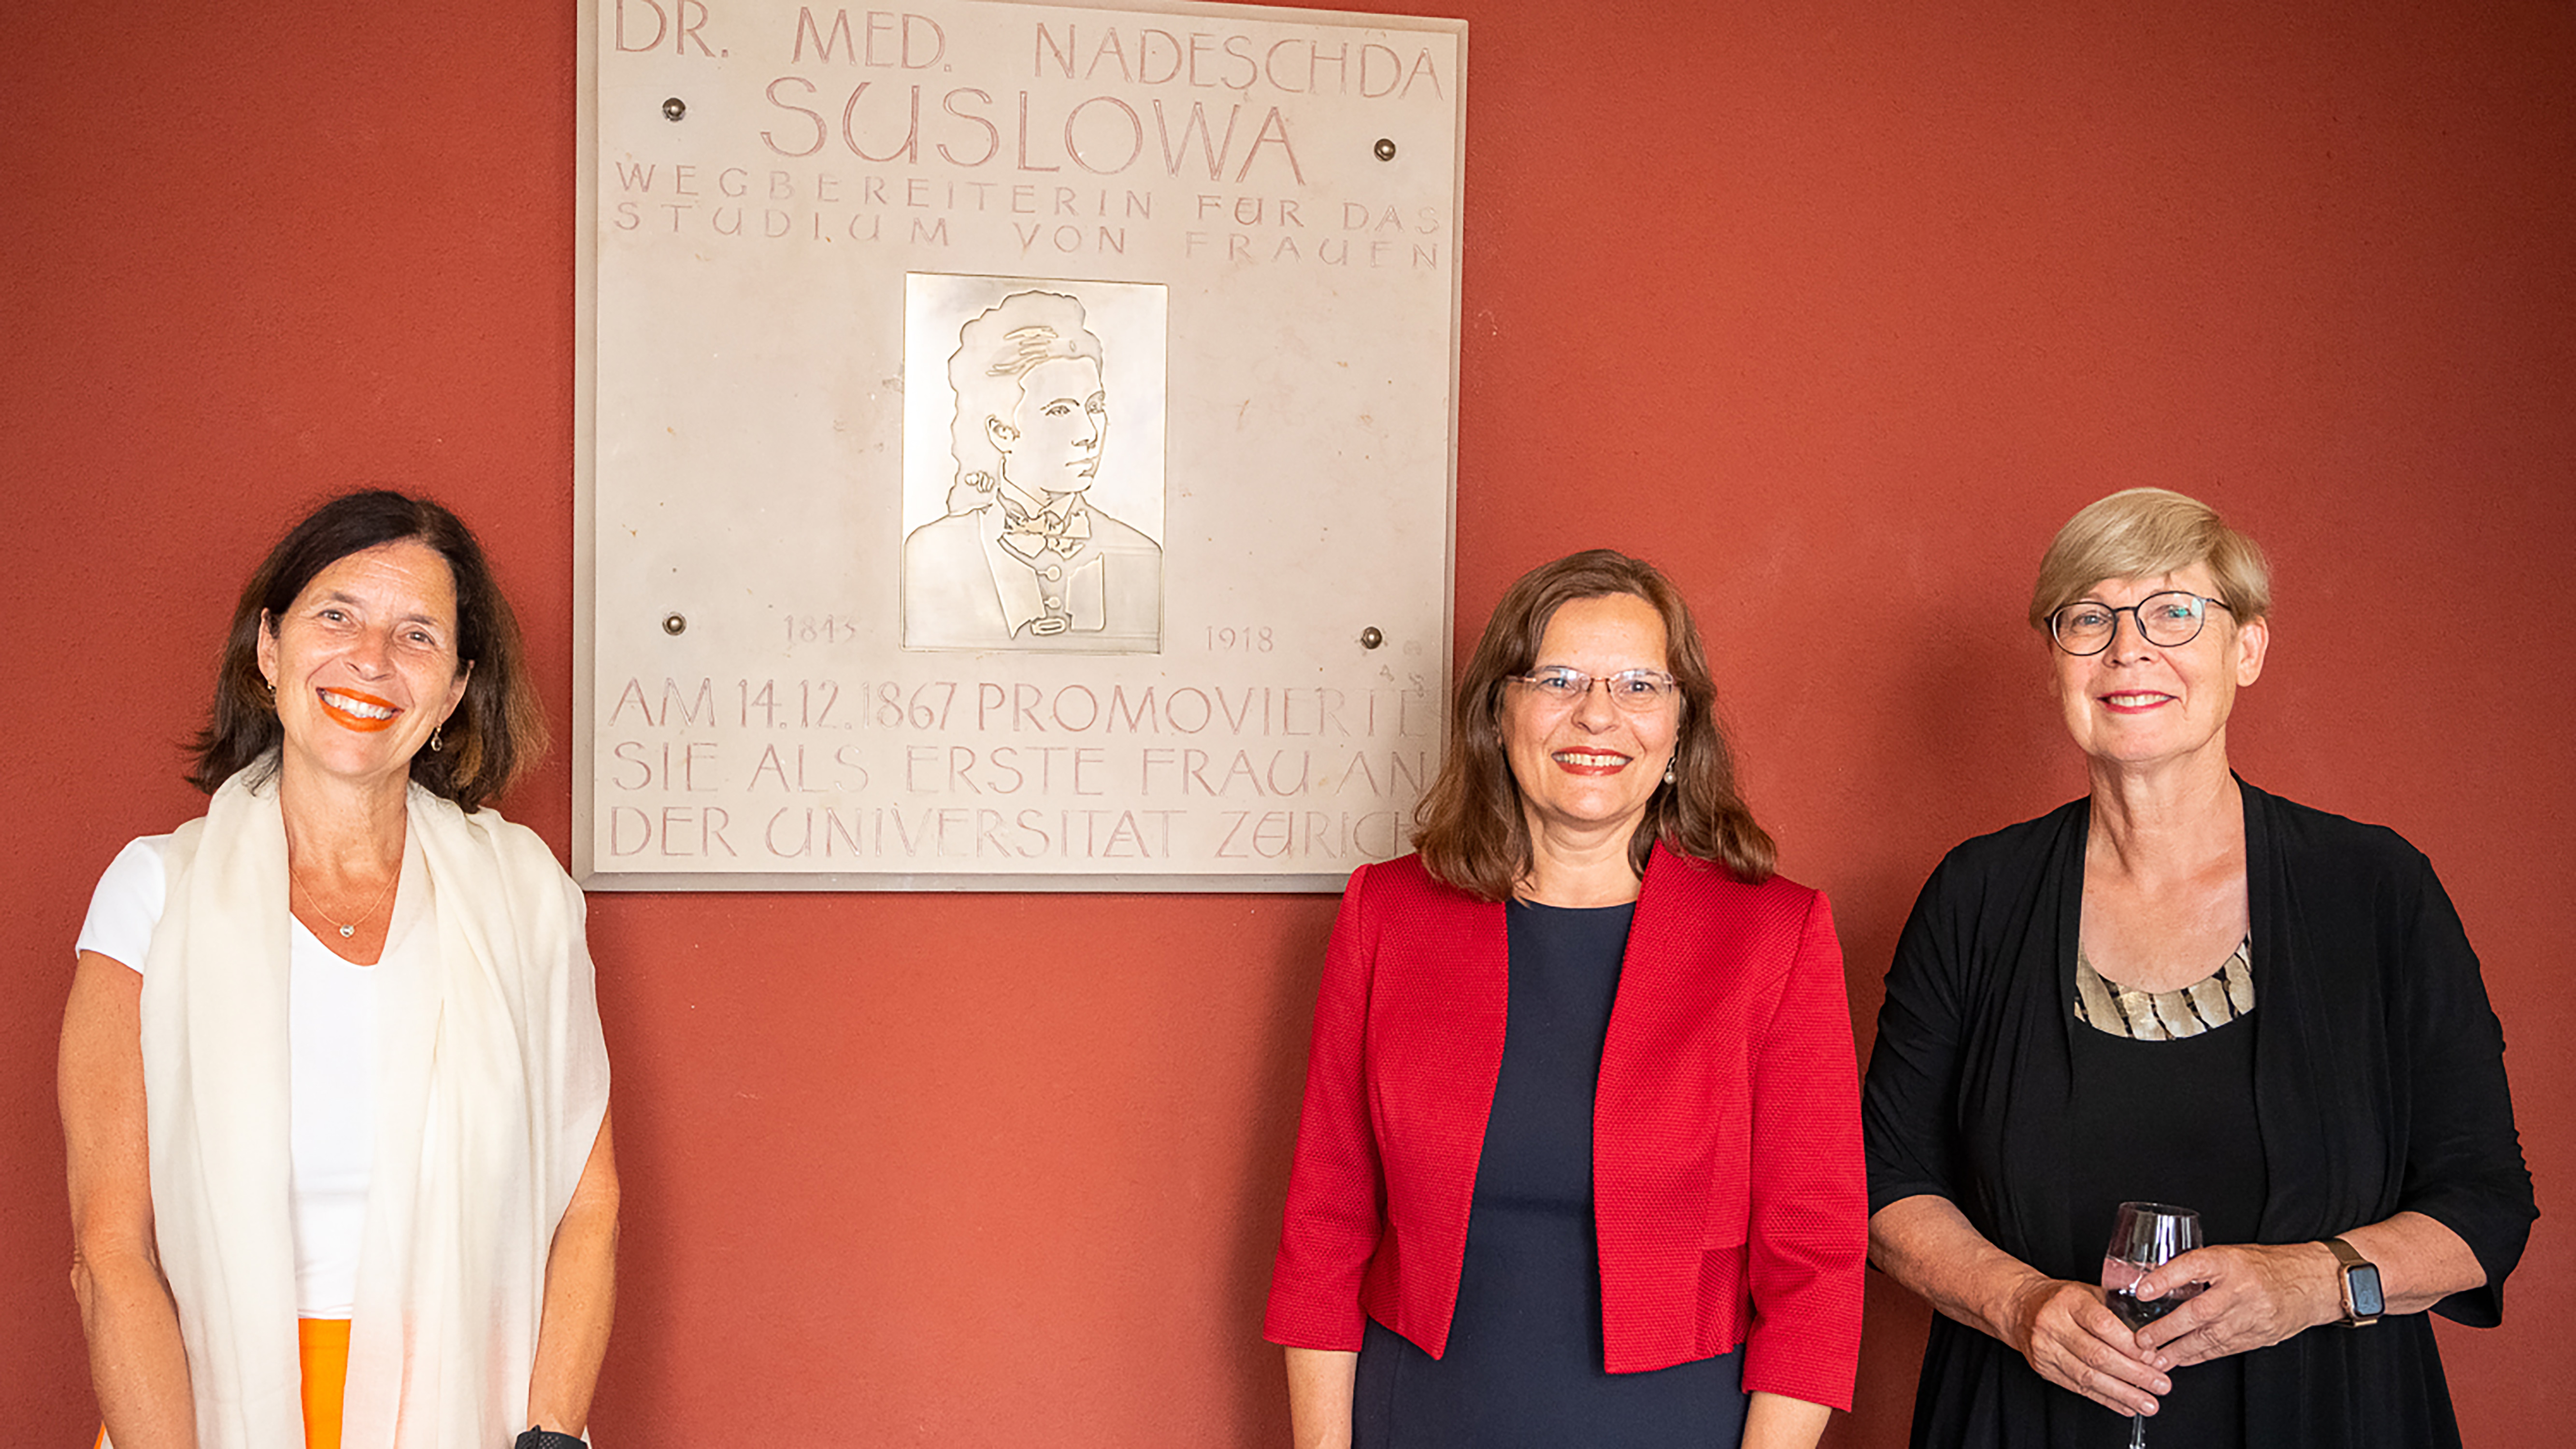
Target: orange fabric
x=324 y=1351
x=322 y=1346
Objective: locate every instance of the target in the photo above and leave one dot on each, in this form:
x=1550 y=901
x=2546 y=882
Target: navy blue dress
x=1523 y=1364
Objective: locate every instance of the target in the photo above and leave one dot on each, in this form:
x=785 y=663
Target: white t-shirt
x=331 y=1068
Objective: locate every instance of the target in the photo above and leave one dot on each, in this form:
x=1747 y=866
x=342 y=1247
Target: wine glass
x=2145 y=1237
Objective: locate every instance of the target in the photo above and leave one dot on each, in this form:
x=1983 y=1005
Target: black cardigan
x=2379 y=1086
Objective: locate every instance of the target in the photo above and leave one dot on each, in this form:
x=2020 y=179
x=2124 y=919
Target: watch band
x=2356 y=1270
x=548 y=1439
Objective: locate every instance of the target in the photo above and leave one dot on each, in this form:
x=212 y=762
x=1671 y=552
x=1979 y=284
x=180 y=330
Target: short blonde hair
x=2141 y=532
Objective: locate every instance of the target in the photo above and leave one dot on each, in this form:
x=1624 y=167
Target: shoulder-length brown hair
x=1469 y=827
x=498 y=730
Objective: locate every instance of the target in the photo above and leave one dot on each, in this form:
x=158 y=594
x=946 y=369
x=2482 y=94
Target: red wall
x=1836 y=312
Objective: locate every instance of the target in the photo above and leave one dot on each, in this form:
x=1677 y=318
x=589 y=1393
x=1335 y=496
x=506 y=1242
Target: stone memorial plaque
x=1014 y=443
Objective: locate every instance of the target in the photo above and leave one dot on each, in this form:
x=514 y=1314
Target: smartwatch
x=2362 y=1303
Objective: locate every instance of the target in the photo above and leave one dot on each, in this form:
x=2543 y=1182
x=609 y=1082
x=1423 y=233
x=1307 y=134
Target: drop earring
x=437 y=739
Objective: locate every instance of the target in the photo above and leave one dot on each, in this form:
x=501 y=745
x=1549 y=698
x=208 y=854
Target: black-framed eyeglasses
x=2167 y=620
x=1635 y=690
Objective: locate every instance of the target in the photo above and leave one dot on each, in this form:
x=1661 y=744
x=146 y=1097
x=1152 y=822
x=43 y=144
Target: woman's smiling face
x=364 y=661
x=1586 y=766
x=2141 y=704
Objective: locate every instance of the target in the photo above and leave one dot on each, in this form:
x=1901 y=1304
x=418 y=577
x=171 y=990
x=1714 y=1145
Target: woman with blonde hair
x=2183 y=990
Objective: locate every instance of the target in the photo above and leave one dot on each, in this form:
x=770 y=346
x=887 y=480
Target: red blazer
x=1730 y=1033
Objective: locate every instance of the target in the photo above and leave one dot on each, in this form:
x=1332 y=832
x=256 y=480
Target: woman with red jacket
x=1580 y=1157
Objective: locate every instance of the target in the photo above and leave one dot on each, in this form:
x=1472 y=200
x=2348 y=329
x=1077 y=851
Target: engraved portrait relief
x=1028 y=553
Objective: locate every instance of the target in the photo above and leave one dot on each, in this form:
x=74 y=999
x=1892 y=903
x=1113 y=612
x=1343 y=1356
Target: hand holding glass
x=2145 y=1237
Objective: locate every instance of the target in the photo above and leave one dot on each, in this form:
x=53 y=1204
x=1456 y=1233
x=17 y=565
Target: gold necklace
x=350 y=929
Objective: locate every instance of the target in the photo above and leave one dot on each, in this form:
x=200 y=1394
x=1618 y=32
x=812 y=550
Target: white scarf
x=492 y=1081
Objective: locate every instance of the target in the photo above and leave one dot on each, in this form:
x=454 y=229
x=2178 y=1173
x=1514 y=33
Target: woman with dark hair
x=2181 y=989
x=334 y=1096
x=1579 y=1161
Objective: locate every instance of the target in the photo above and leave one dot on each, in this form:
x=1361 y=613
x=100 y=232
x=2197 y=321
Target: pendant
x=347 y=931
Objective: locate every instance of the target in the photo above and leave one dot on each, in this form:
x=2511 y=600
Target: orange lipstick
x=362 y=719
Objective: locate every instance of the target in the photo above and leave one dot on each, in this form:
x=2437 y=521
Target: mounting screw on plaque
x=1385 y=148
x=1370 y=638
x=675 y=109
x=675 y=623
